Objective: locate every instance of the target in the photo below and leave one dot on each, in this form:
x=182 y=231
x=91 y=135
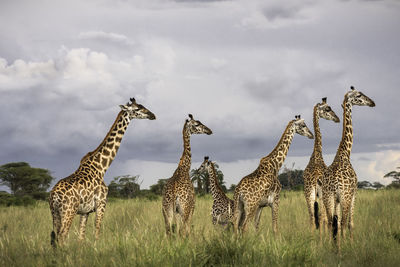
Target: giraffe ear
x=123 y=107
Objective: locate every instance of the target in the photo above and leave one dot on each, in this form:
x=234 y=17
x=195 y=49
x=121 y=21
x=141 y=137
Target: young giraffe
x=261 y=188
x=340 y=180
x=314 y=171
x=84 y=191
x=178 y=195
x=222 y=208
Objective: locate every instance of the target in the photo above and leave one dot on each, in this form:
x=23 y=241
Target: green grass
x=133 y=235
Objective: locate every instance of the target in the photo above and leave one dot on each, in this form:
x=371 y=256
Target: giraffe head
x=301 y=127
x=325 y=111
x=137 y=111
x=205 y=165
x=196 y=127
x=355 y=97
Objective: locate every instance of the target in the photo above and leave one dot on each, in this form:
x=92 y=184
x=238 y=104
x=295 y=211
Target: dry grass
x=133 y=235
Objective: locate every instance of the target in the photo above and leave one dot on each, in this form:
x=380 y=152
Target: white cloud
x=22 y=75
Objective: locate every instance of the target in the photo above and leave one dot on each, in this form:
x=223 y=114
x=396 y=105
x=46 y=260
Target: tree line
x=27 y=184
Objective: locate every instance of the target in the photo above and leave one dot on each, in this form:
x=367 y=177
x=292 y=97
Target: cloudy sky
x=244 y=68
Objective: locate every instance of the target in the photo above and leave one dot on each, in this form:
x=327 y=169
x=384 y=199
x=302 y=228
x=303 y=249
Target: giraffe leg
x=322 y=215
x=56 y=227
x=274 y=209
x=329 y=204
x=188 y=221
x=215 y=219
x=248 y=211
x=257 y=217
x=82 y=225
x=322 y=218
x=238 y=215
x=100 y=209
x=345 y=216
x=310 y=199
x=66 y=222
x=168 y=213
x=338 y=215
x=351 y=216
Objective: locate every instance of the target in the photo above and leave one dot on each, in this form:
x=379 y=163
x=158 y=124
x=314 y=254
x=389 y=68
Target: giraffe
x=340 y=180
x=84 y=191
x=314 y=171
x=222 y=208
x=261 y=188
x=178 y=194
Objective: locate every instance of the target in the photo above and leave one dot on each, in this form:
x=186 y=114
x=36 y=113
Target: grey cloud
x=200 y=0
x=280 y=12
x=58 y=101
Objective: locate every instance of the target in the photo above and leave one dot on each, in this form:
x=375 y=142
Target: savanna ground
x=133 y=235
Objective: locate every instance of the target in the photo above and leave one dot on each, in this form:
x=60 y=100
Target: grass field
x=133 y=235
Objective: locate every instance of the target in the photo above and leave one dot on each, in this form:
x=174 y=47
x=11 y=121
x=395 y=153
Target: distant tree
x=202 y=180
x=197 y=177
x=364 y=184
x=22 y=179
x=125 y=186
x=232 y=188
x=290 y=178
x=114 y=188
x=158 y=187
x=377 y=185
x=394 y=175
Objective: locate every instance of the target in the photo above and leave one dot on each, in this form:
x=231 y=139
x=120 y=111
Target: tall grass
x=133 y=235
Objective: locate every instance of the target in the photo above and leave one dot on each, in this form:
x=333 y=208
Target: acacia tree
x=22 y=179
x=203 y=181
x=158 y=187
x=291 y=178
x=395 y=175
x=197 y=177
x=126 y=186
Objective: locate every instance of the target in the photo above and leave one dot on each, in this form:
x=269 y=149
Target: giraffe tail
x=53 y=239
x=316 y=217
x=334 y=226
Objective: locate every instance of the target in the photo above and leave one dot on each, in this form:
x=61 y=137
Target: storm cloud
x=243 y=68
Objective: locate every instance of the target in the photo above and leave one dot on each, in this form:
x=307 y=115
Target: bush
x=147 y=194
x=393 y=185
x=7 y=199
x=41 y=195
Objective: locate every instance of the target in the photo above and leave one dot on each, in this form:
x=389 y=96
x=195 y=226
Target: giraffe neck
x=186 y=158
x=215 y=188
x=346 y=144
x=273 y=162
x=102 y=157
x=317 y=153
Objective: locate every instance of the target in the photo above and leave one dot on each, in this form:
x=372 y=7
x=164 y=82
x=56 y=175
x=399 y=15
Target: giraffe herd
x=84 y=191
